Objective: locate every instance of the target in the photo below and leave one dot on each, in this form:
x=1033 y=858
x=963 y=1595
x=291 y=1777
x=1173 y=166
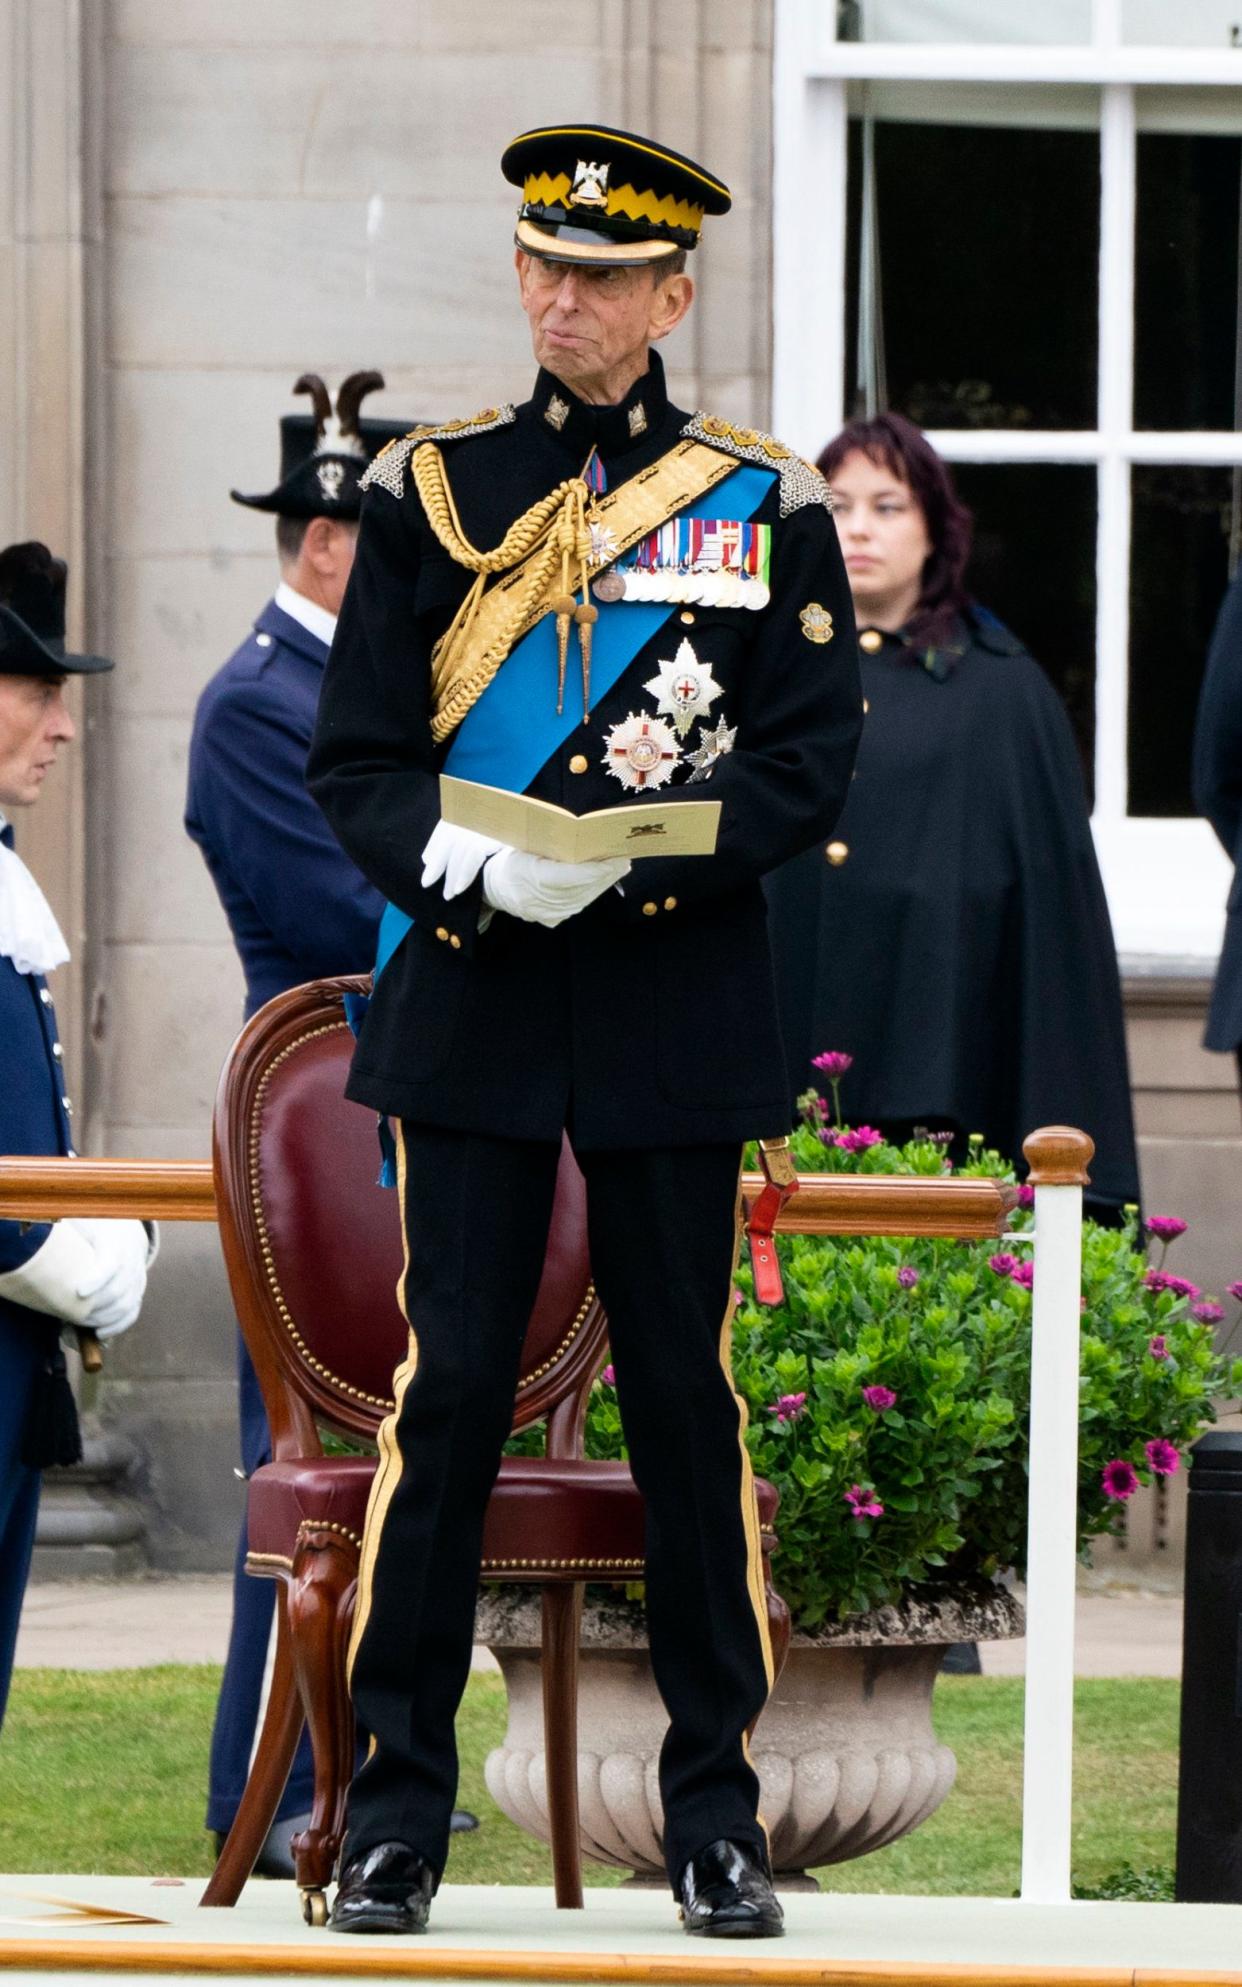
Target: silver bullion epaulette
x=388 y=468
x=801 y=482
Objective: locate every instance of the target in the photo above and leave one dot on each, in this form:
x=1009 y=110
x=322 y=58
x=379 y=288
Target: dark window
x=989 y=242
x=1034 y=567
x=1186 y=281
x=1178 y=574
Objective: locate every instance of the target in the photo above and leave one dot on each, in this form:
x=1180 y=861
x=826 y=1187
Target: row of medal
x=709 y=562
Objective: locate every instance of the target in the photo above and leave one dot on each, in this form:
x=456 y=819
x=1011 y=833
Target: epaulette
x=388 y=468
x=801 y=482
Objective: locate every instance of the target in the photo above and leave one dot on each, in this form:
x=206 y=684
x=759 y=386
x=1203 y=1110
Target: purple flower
x=1162 y=1457
x=861 y=1140
x=1120 y=1479
x=789 y=1407
x=1024 y=1276
x=879 y=1398
x=1181 y=1286
x=1235 y=1290
x=1165 y=1227
x=907 y=1276
x=1003 y=1264
x=1156 y=1279
x=1026 y=1195
x=863 y=1502
x=833 y=1063
x=1209 y=1312
x=608 y=1376
x=1158 y=1346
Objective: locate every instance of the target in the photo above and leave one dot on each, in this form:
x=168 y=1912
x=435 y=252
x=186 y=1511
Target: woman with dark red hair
x=956 y=940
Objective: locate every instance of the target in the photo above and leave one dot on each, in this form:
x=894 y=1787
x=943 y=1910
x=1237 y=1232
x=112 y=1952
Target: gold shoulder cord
x=554 y=528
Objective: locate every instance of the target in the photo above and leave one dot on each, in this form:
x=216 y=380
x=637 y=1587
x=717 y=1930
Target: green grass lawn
x=105 y=1771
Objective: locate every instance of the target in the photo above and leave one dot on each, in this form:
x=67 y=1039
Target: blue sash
x=508 y=736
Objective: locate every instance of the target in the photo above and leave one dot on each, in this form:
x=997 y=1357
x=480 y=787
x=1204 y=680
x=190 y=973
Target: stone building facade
x=199 y=199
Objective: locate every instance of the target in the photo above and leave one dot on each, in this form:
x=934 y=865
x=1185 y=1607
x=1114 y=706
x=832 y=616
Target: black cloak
x=961 y=951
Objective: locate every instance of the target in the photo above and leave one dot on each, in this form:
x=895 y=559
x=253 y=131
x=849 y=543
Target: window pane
x=1189 y=24
x=988 y=241
x=1033 y=520
x=1186 y=280
x=1178 y=574
x=964 y=20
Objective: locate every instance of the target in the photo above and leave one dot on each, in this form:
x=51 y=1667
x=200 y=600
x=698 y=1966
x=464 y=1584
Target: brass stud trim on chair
x=563 y=1565
x=268 y=1559
x=327 y=1525
x=537 y=1372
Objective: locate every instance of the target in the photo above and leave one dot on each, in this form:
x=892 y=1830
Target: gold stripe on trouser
x=750 y=1510
x=388 y=1475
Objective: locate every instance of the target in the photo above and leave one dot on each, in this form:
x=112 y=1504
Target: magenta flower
x=907 y=1276
x=1024 y=1276
x=1209 y=1312
x=1165 y=1227
x=1162 y=1457
x=1235 y=1290
x=790 y=1407
x=609 y=1376
x=860 y=1140
x=1155 y=1279
x=863 y=1502
x=879 y=1398
x=832 y=1064
x=1003 y=1264
x=1158 y=1346
x=1026 y=1195
x=1120 y=1479
x=1181 y=1286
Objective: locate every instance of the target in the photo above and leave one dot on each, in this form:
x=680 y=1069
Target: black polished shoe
x=463 y=1822
x=387 y=1889
x=726 y=1893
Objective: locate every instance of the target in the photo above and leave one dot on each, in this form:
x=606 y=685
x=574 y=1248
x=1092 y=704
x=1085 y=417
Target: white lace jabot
x=29 y=933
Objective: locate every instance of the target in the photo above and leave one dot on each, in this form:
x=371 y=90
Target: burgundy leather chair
x=313 y=1250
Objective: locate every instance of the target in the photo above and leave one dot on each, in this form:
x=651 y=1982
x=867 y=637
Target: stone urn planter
x=845 y=1752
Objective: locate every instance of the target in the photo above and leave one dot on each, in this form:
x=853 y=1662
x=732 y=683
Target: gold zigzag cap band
x=634 y=144
x=545 y=190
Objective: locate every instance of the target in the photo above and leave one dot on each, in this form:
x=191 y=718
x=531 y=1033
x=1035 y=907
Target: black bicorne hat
x=322 y=455
x=32 y=616
x=593 y=195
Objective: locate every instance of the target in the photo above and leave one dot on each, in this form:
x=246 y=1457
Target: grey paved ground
x=129 y=1624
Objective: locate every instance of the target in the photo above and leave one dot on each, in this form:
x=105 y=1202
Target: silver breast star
x=710 y=749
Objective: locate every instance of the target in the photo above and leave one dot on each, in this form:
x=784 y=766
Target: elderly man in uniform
x=690 y=570
x=83 y=1273
x=296 y=905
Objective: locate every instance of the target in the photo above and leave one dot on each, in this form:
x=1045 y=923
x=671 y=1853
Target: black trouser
x=662 y=1236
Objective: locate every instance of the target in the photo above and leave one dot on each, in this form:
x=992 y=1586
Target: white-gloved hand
x=544 y=892
x=83 y=1281
x=457 y=855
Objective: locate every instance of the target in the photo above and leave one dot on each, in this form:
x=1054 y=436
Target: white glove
x=84 y=1278
x=457 y=855
x=544 y=892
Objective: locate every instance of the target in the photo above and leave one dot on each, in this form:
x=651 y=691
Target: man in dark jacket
x=1218 y=795
x=85 y=1273
x=297 y=907
x=688 y=571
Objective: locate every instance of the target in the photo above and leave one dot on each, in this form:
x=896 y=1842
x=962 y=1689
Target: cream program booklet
x=637 y=828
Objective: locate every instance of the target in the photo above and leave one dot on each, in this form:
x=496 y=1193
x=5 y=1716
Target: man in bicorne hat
x=83 y=1273
x=592 y=598
x=296 y=905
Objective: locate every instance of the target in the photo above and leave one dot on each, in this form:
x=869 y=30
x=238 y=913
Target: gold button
x=579 y=763
x=670 y=903
x=441 y=933
x=870 y=640
x=687 y=619
x=836 y=853
x=455 y=942
x=650 y=910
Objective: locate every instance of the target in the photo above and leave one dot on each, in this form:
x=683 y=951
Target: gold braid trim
x=552 y=530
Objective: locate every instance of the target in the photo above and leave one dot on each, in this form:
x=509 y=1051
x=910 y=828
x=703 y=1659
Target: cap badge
x=331 y=478
x=590 y=187
x=816 y=622
x=685 y=689
x=641 y=752
x=556 y=413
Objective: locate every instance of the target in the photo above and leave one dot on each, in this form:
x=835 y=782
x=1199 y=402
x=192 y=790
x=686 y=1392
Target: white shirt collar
x=315 y=619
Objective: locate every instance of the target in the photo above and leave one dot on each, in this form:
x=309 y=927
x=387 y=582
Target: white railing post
x=1058 y=1159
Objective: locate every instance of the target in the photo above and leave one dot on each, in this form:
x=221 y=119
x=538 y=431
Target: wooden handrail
x=825 y=1203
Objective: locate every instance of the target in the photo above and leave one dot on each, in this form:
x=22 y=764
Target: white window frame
x=1167 y=880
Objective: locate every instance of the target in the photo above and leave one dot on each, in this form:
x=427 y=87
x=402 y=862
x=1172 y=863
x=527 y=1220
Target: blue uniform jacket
x=1218 y=794
x=33 y=1114
x=297 y=907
